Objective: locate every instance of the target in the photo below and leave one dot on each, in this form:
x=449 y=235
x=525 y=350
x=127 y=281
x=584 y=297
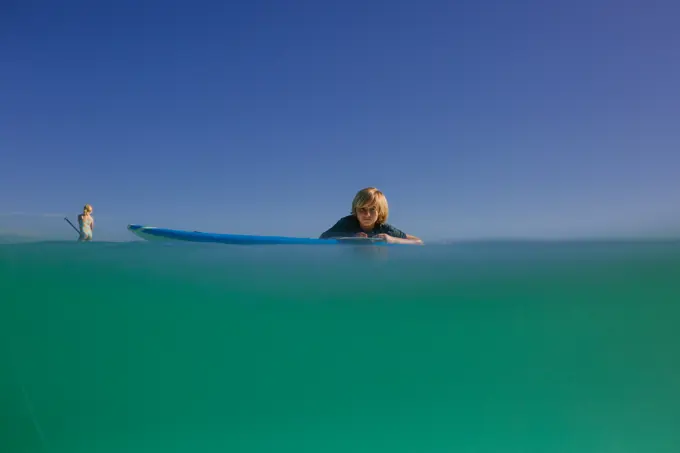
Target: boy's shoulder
x=392 y=231
x=346 y=226
x=348 y=220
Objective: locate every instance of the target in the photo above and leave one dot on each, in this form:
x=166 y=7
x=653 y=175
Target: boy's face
x=367 y=216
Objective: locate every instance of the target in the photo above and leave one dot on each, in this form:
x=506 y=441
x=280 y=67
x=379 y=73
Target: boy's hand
x=361 y=235
x=389 y=239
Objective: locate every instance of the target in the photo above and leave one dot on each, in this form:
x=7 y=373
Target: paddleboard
x=165 y=234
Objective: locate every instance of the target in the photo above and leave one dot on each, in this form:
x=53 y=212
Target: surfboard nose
x=134 y=227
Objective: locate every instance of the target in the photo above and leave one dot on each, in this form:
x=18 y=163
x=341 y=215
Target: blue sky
x=477 y=119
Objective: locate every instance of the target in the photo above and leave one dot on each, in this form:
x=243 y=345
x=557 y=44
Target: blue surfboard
x=164 y=234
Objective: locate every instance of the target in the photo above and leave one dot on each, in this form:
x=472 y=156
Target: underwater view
x=475 y=347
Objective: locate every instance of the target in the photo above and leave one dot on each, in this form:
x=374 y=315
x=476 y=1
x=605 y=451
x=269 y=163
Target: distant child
x=86 y=223
x=368 y=219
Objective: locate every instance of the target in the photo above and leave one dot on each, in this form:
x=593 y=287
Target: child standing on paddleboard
x=369 y=219
x=86 y=223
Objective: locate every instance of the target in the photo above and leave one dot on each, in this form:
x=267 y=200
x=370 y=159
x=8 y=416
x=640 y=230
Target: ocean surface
x=480 y=347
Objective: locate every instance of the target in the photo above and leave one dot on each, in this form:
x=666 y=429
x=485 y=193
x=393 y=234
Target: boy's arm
x=399 y=237
x=417 y=240
x=396 y=240
x=408 y=240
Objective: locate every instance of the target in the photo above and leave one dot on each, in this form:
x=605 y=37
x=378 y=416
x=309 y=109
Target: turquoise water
x=505 y=347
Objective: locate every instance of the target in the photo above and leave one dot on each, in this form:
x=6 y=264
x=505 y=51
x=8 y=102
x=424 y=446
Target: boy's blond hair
x=370 y=197
x=87 y=208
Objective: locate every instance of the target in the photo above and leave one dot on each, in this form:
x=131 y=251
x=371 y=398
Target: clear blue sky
x=477 y=119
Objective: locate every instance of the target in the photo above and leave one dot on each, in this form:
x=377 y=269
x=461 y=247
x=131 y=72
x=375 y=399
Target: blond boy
x=369 y=219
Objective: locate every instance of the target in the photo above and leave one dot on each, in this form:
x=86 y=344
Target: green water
x=479 y=348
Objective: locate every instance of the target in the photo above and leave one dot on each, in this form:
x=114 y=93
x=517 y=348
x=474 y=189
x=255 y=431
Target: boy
x=369 y=219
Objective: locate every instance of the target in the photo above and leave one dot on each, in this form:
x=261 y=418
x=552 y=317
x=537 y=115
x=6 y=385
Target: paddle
x=69 y=222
